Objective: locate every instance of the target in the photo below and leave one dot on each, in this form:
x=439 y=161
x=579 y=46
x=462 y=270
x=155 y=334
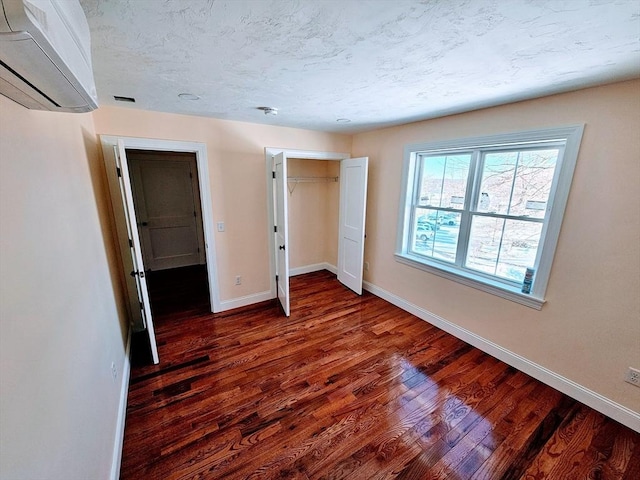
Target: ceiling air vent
x=124 y=99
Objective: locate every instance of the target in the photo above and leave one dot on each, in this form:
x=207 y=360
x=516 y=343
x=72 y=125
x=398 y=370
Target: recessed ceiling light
x=118 y=98
x=269 y=110
x=188 y=96
x=343 y=120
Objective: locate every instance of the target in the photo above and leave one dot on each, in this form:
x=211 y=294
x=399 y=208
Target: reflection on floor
x=351 y=387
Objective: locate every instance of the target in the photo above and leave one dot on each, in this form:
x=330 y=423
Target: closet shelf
x=312 y=179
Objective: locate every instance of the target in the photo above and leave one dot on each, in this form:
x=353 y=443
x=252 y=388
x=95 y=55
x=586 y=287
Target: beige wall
x=589 y=330
x=238 y=180
x=62 y=319
x=313 y=213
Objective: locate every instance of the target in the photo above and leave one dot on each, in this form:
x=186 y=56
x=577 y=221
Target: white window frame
x=563 y=176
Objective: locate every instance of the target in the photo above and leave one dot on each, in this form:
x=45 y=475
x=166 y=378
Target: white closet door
x=282 y=232
x=353 y=205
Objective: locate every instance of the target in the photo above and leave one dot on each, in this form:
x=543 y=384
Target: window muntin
x=487 y=241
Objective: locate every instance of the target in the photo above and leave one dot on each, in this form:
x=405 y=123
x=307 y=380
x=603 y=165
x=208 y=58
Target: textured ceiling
x=375 y=62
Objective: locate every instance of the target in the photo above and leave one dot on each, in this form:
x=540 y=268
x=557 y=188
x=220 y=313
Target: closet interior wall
x=314 y=208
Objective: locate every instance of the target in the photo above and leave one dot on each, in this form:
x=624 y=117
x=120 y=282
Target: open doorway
x=166 y=198
x=161 y=269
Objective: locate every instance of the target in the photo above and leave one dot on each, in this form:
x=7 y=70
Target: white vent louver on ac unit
x=45 y=55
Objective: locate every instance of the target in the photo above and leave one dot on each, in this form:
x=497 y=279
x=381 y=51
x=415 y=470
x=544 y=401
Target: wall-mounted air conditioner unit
x=45 y=55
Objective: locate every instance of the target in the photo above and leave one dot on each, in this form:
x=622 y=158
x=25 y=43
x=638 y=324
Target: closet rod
x=312 y=179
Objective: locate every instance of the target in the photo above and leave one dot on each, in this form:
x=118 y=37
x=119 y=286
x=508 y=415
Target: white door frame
x=269 y=153
x=200 y=151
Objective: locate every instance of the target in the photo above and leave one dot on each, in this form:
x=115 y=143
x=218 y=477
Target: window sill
x=471 y=280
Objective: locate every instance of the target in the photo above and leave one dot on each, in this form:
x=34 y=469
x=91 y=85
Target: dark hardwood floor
x=350 y=387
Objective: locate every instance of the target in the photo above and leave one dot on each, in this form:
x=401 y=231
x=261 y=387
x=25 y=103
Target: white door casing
x=108 y=143
x=144 y=305
x=282 y=231
x=353 y=204
x=165 y=189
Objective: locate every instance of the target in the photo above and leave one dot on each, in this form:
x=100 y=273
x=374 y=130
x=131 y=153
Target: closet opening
x=314 y=202
x=318 y=210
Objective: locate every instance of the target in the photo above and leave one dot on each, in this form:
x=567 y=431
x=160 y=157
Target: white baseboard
x=594 y=400
x=246 y=300
x=316 y=267
x=332 y=268
x=122 y=412
x=271 y=294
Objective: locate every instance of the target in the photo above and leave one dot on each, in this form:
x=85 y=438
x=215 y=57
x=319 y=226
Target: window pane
x=504 y=248
x=519 y=248
x=445 y=241
x=484 y=244
x=532 y=186
x=517 y=183
x=423 y=232
x=444 y=180
x=436 y=234
x=497 y=180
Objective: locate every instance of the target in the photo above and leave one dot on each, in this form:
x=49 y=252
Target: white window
x=481 y=211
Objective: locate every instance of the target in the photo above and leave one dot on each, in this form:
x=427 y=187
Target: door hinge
x=141 y=306
x=194 y=214
x=273 y=174
x=130 y=243
x=118 y=171
x=275 y=229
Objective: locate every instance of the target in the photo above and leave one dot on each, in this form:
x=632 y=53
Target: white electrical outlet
x=238 y=280
x=633 y=376
x=221 y=226
x=114 y=372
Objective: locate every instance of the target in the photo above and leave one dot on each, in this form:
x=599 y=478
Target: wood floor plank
x=348 y=387
x=564 y=453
